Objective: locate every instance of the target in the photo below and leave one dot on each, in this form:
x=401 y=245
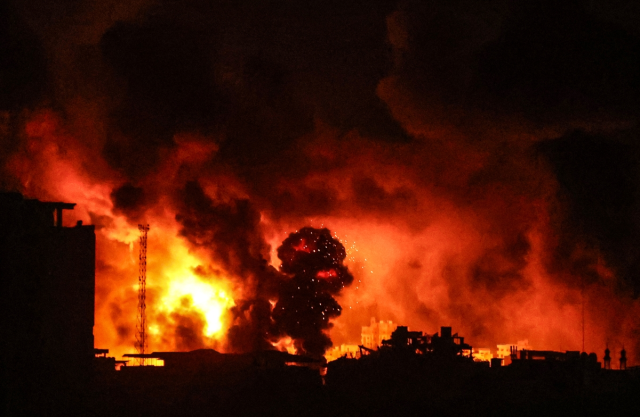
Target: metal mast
x=141 y=326
x=582 y=296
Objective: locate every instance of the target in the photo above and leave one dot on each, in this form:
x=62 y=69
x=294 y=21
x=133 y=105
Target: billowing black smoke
x=311 y=273
x=314 y=261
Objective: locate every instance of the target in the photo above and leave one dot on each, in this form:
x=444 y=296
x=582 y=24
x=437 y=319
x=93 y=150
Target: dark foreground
x=368 y=387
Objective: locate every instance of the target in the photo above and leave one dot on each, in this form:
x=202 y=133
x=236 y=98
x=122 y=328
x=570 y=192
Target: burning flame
x=285 y=344
x=178 y=286
x=55 y=166
x=204 y=297
x=415 y=276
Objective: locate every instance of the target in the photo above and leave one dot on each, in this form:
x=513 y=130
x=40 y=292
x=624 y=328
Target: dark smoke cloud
x=368 y=194
x=312 y=272
x=261 y=74
x=252 y=328
x=129 y=200
x=188 y=329
x=258 y=74
x=559 y=59
x=499 y=270
x=303 y=200
x=551 y=62
x=314 y=261
x=314 y=105
x=166 y=67
x=23 y=66
x=231 y=232
x=599 y=178
x=184 y=327
x=24 y=78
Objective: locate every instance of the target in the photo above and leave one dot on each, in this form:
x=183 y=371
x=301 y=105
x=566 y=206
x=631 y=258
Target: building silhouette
x=47 y=302
x=607 y=358
x=443 y=345
x=373 y=335
x=623 y=358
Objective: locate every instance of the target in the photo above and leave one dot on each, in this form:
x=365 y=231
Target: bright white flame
x=210 y=301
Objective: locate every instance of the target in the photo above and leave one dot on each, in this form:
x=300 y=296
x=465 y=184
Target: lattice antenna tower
x=141 y=326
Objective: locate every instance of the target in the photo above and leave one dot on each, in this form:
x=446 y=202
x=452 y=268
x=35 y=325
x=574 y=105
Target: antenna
x=141 y=326
x=582 y=296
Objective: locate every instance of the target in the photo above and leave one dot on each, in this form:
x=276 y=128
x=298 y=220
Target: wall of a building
x=47 y=308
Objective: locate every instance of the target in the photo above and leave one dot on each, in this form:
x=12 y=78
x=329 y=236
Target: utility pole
x=141 y=326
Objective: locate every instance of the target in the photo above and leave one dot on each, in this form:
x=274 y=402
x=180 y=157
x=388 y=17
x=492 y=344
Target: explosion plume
x=311 y=274
x=313 y=260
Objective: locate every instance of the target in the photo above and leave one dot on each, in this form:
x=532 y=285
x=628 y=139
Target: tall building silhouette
x=47 y=305
x=623 y=359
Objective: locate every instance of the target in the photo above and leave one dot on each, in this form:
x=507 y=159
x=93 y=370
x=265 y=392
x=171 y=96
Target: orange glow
x=285 y=344
x=416 y=262
x=302 y=246
x=327 y=274
x=56 y=168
